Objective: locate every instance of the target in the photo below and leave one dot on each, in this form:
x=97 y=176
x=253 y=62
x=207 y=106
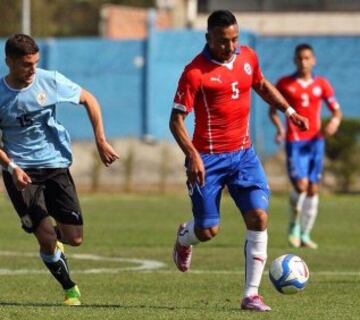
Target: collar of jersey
x=18 y=90
x=207 y=55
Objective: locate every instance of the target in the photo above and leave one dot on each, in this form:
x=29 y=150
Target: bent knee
x=75 y=242
x=206 y=234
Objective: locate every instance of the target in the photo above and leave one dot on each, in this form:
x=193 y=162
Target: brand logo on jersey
x=247 y=68
x=216 y=79
x=317 y=91
x=41 y=98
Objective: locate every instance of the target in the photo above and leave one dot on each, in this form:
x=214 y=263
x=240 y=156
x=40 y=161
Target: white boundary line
x=140 y=265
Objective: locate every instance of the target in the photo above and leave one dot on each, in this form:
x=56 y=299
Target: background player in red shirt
x=305 y=149
x=217 y=86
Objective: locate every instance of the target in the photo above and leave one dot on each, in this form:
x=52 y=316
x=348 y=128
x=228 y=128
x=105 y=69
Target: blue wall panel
x=137 y=99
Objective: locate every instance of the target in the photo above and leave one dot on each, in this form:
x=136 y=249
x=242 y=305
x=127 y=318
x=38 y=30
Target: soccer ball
x=289 y=274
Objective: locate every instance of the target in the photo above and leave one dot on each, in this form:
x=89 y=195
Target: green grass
x=143 y=227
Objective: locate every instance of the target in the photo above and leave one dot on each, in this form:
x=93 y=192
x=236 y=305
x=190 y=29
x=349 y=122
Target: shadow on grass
x=116 y=306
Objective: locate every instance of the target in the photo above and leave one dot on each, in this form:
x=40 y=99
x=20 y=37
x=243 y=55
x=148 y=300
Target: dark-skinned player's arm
x=274 y=98
x=195 y=170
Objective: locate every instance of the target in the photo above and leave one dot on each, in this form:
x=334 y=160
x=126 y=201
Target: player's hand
x=195 y=170
x=20 y=178
x=331 y=127
x=107 y=153
x=279 y=136
x=301 y=122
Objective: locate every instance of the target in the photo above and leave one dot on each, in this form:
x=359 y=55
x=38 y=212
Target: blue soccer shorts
x=305 y=159
x=244 y=176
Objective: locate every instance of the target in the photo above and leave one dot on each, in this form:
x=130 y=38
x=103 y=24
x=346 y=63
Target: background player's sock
x=57 y=265
x=309 y=213
x=186 y=236
x=255 y=259
x=296 y=203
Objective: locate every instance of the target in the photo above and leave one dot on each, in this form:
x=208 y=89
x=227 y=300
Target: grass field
x=121 y=228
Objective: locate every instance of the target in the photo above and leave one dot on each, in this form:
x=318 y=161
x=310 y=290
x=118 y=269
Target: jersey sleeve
x=187 y=89
x=328 y=95
x=66 y=90
x=257 y=73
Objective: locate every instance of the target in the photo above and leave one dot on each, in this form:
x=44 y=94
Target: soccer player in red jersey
x=216 y=85
x=305 y=149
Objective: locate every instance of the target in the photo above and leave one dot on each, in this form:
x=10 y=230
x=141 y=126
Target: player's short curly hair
x=20 y=45
x=220 y=18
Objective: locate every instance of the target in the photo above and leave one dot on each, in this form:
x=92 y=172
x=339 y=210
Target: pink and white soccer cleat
x=182 y=254
x=254 y=303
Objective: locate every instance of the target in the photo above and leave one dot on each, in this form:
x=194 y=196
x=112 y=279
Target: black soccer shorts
x=51 y=193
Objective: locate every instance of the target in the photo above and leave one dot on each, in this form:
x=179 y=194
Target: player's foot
x=182 y=254
x=306 y=242
x=294 y=236
x=72 y=296
x=254 y=303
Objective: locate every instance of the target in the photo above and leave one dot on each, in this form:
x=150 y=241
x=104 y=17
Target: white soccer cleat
x=182 y=254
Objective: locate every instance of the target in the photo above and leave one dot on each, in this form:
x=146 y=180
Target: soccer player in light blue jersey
x=36 y=154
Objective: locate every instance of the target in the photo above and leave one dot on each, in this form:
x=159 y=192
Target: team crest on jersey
x=247 y=68
x=41 y=98
x=317 y=91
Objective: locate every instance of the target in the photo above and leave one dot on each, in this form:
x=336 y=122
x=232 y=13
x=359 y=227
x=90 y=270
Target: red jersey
x=306 y=97
x=219 y=94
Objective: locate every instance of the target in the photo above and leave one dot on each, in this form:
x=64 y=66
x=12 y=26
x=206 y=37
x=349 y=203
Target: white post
x=26 y=17
x=191 y=13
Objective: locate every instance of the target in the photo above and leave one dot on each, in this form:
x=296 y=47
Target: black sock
x=58 y=267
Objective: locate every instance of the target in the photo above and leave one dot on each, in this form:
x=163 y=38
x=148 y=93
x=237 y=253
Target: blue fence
x=135 y=80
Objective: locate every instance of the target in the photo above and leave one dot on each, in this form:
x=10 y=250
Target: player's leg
x=298 y=160
x=31 y=208
x=250 y=192
x=205 y=205
x=296 y=201
x=63 y=204
x=310 y=208
x=53 y=257
x=308 y=216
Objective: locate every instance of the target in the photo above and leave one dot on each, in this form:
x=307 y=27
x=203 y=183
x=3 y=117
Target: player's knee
x=256 y=220
x=75 y=241
x=206 y=234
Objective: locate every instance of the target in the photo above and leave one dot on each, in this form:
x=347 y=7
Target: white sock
x=309 y=213
x=187 y=237
x=255 y=259
x=296 y=202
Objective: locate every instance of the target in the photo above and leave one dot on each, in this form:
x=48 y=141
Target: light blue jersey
x=32 y=137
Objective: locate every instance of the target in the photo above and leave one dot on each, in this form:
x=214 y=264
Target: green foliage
x=59 y=18
x=343 y=151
